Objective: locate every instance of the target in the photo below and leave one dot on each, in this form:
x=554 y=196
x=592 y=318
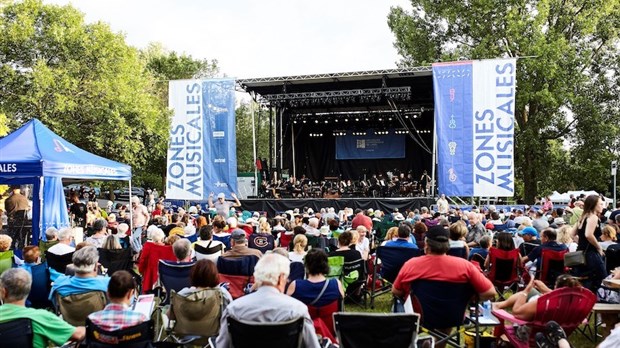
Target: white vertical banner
x=493 y=94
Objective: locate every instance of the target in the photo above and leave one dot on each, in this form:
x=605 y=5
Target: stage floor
x=273 y=206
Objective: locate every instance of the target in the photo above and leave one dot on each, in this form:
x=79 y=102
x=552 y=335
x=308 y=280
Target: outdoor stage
x=273 y=206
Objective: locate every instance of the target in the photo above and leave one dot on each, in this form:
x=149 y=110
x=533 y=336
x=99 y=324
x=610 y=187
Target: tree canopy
x=567 y=82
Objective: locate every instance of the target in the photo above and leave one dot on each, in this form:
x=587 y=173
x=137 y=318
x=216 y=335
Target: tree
x=567 y=42
x=80 y=79
x=245 y=150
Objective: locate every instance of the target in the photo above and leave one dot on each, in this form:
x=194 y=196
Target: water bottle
x=486 y=309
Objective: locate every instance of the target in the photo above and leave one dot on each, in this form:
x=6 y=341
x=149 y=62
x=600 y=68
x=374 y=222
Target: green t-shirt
x=45 y=325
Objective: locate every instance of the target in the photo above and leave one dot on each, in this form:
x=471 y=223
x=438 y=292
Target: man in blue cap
x=548 y=239
x=530 y=240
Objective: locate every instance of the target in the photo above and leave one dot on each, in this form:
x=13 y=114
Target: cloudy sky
x=259 y=38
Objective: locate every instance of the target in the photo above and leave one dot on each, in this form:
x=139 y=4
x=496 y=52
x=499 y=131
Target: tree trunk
x=530 y=173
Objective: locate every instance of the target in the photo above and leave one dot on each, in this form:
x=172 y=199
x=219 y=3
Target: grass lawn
x=383 y=304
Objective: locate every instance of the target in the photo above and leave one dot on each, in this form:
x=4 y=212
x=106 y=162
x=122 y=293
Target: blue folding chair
x=224 y=239
x=442 y=306
x=297 y=271
x=238 y=272
x=174 y=276
x=458 y=252
x=41 y=286
x=392 y=260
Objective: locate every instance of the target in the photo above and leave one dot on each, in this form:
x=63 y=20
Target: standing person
x=222 y=207
x=17 y=207
x=424 y=181
x=140 y=217
x=589 y=231
x=442 y=204
x=78 y=211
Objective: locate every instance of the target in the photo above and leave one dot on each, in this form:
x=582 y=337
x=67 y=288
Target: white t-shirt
x=295 y=257
x=61 y=249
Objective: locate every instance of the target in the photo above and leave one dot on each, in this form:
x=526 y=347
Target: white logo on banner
x=452 y=147
x=452 y=175
x=452 y=124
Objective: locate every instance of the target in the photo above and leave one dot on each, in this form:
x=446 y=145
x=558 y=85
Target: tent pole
x=130 y=209
x=40 y=222
x=293 y=147
x=255 y=193
x=434 y=157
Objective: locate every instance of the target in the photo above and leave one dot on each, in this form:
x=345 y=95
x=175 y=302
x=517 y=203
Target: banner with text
x=202 y=154
x=474 y=120
x=370 y=146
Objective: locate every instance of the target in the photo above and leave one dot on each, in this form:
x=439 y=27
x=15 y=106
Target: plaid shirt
x=116 y=317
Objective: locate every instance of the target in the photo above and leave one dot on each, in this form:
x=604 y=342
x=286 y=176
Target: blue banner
x=202 y=154
x=370 y=146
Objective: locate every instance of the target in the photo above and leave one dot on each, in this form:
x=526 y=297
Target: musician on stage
x=425 y=181
x=17 y=206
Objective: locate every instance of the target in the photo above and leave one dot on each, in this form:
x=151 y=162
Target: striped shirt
x=117 y=316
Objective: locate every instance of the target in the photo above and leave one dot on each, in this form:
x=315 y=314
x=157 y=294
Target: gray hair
x=157 y=235
x=16 y=282
x=182 y=248
x=111 y=242
x=314 y=222
x=51 y=233
x=269 y=268
x=65 y=234
x=99 y=224
x=85 y=260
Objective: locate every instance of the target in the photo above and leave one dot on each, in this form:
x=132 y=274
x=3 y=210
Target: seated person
x=344 y=241
x=51 y=236
x=182 y=250
x=239 y=246
x=363 y=243
x=300 y=242
x=47 y=327
x=111 y=243
x=5 y=245
x=65 y=238
x=310 y=290
x=404 y=238
x=458 y=231
x=268 y=304
x=483 y=249
x=32 y=257
x=100 y=232
x=524 y=303
x=117 y=315
x=548 y=239
x=85 y=280
x=205 y=240
x=151 y=253
x=530 y=240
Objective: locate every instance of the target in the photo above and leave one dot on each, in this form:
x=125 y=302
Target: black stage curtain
x=273 y=206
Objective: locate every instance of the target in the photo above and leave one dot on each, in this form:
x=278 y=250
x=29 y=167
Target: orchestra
x=389 y=184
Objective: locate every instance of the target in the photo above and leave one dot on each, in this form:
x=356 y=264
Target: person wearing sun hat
x=222 y=206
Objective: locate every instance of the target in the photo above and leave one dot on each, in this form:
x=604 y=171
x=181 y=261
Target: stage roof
x=408 y=88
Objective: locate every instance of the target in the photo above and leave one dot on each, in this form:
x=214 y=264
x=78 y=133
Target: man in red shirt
x=361 y=219
x=436 y=265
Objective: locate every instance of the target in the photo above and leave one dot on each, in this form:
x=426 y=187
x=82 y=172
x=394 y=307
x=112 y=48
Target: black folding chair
x=371 y=330
x=458 y=252
x=16 y=333
x=58 y=262
x=612 y=257
x=41 y=286
x=139 y=336
x=392 y=260
x=249 y=334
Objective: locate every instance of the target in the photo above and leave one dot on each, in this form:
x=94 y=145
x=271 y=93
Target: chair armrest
x=503 y=315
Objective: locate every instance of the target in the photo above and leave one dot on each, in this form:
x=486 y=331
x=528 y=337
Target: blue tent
x=35 y=155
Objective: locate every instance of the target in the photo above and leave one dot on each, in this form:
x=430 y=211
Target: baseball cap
x=438 y=234
x=238 y=235
x=529 y=231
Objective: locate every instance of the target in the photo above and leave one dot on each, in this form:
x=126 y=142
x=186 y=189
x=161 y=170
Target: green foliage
x=245 y=151
x=574 y=71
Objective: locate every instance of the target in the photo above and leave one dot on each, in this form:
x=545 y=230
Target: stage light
x=366 y=118
x=390 y=118
x=406 y=116
x=326 y=121
x=336 y=120
x=304 y=121
x=357 y=119
x=346 y=120
x=295 y=121
x=380 y=119
x=316 y=121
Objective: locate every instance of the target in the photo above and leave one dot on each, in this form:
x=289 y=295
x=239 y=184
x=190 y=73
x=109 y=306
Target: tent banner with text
x=202 y=155
x=474 y=119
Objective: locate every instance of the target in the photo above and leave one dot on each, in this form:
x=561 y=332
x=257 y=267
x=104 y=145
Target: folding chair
x=76 y=308
x=478 y=259
x=6 y=260
x=297 y=271
x=249 y=334
x=16 y=333
x=612 y=257
x=285 y=240
x=354 y=281
x=442 y=306
x=208 y=252
x=262 y=242
x=41 y=286
x=44 y=246
x=238 y=272
x=503 y=269
x=174 y=276
x=323 y=318
x=224 y=238
x=371 y=330
x=336 y=266
x=567 y=306
x=500 y=228
x=392 y=260
x=526 y=248
x=197 y=314
x=58 y=262
x=458 y=252
x=139 y=336
x=552 y=265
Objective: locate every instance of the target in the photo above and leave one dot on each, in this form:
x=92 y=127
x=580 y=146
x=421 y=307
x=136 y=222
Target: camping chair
x=336 y=266
x=612 y=257
x=500 y=228
x=503 y=269
x=174 y=276
x=138 y=336
x=567 y=306
x=392 y=260
x=40 y=289
x=323 y=318
x=478 y=259
x=526 y=248
x=371 y=330
x=238 y=272
x=116 y=260
x=458 y=252
x=442 y=306
x=285 y=240
x=75 y=308
x=354 y=281
x=224 y=238
x=297 y=271
x=6 y=260
x=262 y=242
x=44 y=246
x=58 y=262
x=248 y=334
x=208 y=252
x=16 y=333
x=197 y=314
x=552 y=265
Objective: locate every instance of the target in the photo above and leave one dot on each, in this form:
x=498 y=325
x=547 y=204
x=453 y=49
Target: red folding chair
x=503 y=269
x=569 y=307
x=552 y=265
x=285 y=239
x=323 y=318
x=238 y=272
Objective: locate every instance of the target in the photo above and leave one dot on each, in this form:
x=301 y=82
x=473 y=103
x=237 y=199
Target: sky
x=259 y=38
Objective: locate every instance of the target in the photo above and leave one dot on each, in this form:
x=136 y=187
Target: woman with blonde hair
x=608 y=236
x=300 y=242
x=390 y=235
x=565 y=236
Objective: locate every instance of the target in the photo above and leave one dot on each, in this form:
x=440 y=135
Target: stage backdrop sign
x=474 y=119
x=370 y=146
x=202 y=154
